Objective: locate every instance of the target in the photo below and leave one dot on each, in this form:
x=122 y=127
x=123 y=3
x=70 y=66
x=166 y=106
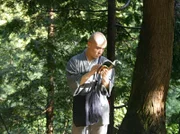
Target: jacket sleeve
x=107 y=91
x=74 y=77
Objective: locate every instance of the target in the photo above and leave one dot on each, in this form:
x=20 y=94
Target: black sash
x=86 y=107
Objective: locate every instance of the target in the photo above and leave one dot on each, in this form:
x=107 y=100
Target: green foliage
x=172 y=129
x=26 y=49
x=173 y=99
x=176 y=49
x=27 y=54
x=126 y=44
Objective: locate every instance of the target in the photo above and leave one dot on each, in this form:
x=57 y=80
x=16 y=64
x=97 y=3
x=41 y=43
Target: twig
x=4 y=124
x=124 y=6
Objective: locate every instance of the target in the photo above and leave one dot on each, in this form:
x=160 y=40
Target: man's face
x=95 y=49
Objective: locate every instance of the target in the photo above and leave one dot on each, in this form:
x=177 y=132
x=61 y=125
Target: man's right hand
x=95 y=68
x=86 y=76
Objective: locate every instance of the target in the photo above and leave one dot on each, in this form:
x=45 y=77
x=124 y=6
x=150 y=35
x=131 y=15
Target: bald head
x=98 y=38
x=96 y=45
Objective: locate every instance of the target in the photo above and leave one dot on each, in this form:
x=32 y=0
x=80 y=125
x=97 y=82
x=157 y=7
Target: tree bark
x=146 y=106
x=111 y=32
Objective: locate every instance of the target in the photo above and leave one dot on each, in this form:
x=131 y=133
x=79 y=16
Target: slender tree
x=50 y=63
x=146 y=107
x=111 y=32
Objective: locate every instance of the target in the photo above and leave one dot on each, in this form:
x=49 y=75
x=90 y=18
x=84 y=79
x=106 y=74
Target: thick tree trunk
x=146 y=107
x=111 y=32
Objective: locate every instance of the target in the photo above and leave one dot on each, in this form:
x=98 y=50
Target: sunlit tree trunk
x=146 y=107
x=50 y=65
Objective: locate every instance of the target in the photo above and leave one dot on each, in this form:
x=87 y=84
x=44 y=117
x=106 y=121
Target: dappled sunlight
x=157 y=102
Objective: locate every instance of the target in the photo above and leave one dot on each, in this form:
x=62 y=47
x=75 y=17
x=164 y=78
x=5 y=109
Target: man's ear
x=88 y=44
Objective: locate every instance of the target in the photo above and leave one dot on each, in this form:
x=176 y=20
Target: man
x=83 y=71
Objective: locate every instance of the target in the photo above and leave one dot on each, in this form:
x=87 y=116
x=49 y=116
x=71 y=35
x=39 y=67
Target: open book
x=109 y=64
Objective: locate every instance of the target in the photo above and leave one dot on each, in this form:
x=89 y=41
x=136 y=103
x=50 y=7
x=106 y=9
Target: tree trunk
x=146 y=107
x=111 y=32
x=50 y=92
x=179 y=127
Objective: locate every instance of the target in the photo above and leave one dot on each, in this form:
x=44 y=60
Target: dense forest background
x=37 y=38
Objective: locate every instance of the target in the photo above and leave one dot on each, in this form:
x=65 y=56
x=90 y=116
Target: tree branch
x=124 y=6
x=98 y=3
x=118 y=107
x=76 y=9
x=119 y=25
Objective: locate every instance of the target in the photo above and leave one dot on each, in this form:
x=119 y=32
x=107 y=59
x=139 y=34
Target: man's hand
x=85 y=77
x=95 y=68
x=104 y=73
